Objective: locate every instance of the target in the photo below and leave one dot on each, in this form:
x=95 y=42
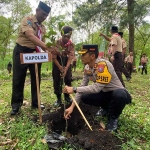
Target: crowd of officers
x=108 y=89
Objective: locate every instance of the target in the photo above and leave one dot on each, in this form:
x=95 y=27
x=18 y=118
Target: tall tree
x=131 y=24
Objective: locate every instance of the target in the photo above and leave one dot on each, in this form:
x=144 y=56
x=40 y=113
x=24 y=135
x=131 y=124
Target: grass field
x=20 y=133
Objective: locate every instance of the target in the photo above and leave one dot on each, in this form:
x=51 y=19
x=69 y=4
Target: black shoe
x=128 y=79
x=112 y=125
x=57 y=103
x=14 y=111
x=36 y=106
x=102 y=113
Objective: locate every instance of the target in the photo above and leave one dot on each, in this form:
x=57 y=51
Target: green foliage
x=134 y=122
x=51 y=34
x=9 y=26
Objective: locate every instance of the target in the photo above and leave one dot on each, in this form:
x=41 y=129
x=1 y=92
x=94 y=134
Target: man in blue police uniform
x=107 y=91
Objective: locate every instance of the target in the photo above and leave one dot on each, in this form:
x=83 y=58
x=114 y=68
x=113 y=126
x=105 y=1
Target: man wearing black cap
x=62 y=64
x=124 y=47
x=115 y=49
x=106 y=90
x=30 y=39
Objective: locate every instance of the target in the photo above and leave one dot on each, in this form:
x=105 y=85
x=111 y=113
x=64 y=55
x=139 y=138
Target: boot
x=58 y=102
x=14 y=111
x=112 y=124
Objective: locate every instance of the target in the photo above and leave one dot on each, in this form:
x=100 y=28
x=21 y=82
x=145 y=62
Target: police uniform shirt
x=64 y=50
x=116 y=40
x=102 y=82
x=29 y=23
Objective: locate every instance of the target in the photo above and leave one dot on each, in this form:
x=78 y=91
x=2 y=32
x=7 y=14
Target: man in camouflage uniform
x=106 y=91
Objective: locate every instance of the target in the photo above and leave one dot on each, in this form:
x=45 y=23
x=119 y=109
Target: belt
x=25 y=47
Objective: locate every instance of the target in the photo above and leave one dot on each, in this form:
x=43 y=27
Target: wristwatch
x=74 y=89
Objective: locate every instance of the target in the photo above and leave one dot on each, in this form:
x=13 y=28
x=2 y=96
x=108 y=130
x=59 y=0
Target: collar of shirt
x=36 y=21
x=115 y=34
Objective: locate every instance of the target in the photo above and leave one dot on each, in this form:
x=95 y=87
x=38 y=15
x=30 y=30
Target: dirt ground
x=80 y=136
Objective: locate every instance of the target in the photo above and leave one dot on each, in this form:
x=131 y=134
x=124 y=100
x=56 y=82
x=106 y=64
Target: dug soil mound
x=81 y=137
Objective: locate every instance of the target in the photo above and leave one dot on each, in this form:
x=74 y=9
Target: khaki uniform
x=106 y=91
x=124 y=44
x=144 y=61
x=116 y=40
x=117 y=53
x=91 y=74
x=66 y=52
x=124 y=65
x=129 y=60
x=24 y=45
x=29 y=23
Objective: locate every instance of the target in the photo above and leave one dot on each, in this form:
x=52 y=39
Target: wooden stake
x=38 y=93
x=80 y=111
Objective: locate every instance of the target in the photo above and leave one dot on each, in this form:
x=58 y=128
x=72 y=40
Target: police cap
x=88 y=48
x=44 y=7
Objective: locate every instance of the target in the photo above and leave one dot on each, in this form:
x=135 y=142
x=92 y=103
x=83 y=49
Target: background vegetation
x=89 y=18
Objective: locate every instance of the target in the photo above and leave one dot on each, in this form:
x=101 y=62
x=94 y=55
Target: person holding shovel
x=62 y=64
x=107 y=90
x=30 y=39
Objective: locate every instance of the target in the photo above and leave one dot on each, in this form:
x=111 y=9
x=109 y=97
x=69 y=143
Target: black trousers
x=117 y=64
x=144 y=68
x=124 y=70
x=114 y=101
x=129 y=67
x=57 y=80
x=19 y=75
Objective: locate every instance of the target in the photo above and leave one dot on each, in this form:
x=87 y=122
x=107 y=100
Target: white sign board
x=31 y=58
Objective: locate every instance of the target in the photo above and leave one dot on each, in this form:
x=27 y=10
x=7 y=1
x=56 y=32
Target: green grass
x=24 y=134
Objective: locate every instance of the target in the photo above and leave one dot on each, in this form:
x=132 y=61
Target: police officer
x=106 y=91
x=115 y=48
x=124 y=48
x=30 y=39
x=62 y=64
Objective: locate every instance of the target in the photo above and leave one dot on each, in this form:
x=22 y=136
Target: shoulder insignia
x=103 y=74
x=101 y=67
x=29 y=22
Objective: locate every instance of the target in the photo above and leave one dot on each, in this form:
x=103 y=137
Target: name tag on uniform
x=103 y=74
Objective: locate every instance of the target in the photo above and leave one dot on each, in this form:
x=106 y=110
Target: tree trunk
x=131 y=25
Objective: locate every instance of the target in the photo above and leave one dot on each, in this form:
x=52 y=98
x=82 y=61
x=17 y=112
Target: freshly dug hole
x=81 y=136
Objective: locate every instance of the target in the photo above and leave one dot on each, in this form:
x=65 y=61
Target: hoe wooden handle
x=80 y=111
